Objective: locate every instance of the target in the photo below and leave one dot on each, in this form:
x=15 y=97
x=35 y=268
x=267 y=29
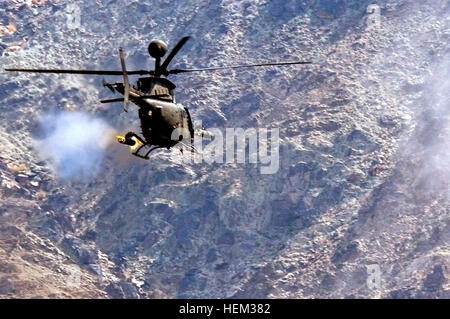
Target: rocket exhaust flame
x=136 y=144
x=131 y=141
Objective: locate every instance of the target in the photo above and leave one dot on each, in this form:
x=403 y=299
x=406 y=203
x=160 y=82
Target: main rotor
x=157 y=49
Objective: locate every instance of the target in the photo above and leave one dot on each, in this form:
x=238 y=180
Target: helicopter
x=164 y=122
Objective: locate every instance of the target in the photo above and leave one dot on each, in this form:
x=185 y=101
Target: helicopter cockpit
x=159 y=88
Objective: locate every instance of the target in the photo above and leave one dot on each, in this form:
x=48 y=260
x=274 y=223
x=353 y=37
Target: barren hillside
x=362 y=191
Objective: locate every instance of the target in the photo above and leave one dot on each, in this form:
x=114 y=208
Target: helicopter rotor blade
x=126 y=82
x=163 y=68
x=176 y=71
x=108 y=85
x=73 y=71
x=119 y=99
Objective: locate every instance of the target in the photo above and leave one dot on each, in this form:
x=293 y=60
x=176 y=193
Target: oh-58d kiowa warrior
x=164 y=123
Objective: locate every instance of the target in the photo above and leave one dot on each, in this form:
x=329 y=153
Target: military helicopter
x=164 y=123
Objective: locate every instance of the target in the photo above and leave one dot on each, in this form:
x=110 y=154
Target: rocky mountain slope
x=360 y=205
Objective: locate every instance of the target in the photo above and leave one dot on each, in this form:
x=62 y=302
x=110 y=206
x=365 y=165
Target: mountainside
x=360 y=204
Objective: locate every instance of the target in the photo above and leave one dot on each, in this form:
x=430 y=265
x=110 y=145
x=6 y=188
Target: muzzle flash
x=127 y=141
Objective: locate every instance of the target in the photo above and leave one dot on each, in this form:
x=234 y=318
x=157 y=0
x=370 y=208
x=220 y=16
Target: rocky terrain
x=359 y=208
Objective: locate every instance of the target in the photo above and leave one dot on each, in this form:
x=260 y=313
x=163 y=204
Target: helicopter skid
x=144 y=150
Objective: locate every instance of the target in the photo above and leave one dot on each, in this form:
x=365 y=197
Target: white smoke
x=435 y=134
x=74 y=143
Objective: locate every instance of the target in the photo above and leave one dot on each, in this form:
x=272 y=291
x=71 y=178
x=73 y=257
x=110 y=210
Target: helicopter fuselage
x=163 y=121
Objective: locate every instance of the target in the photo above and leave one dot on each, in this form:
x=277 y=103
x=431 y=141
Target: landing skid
x=144 y=150
x=141 y=149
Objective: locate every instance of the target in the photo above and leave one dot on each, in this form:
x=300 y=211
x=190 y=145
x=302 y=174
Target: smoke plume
x=74 y=143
